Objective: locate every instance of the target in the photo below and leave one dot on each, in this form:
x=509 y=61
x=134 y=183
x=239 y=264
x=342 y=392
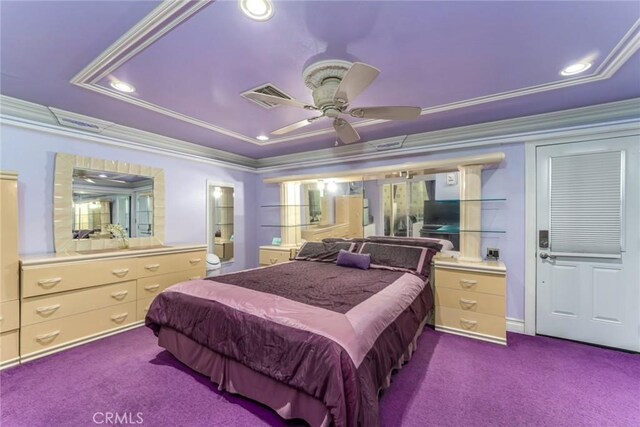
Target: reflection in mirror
x=333 y=209
x=423 y=206
x=102 y=198
x=221 y=237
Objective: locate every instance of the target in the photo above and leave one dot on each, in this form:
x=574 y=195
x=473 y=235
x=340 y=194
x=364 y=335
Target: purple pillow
x=351 y=259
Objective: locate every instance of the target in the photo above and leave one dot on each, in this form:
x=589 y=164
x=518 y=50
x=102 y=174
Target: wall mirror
x=220 y=220
x=333 y=209
x=423 y=206
x=90 y=194
x=102 y=198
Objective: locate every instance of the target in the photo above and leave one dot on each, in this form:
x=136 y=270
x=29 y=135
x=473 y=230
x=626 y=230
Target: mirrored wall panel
x=102 y=199
x=220 y=219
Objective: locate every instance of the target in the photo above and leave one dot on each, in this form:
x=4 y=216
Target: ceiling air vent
x=79 y=121
x=267 y=89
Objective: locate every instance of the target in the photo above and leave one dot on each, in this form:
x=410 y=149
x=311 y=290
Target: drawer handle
x=118 y=318
x=48 y=337
x=467 y=304
x=119 y=295
x=152 y=267
x=194 y=261
x=468 y=324
x=466 y=283
x=273 y=260
x=47 y=310
x=151 y=288
x=48 y=283
x=121 y=272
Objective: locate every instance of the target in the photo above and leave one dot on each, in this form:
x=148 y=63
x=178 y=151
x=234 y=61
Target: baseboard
x=471 y=334
x=515 y=325
x=9 y=363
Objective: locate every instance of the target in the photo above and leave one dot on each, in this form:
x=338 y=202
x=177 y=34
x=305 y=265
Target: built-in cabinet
x=9 y=290
x=68 y=299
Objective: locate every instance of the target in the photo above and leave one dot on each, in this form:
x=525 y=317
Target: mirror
x=423 y=206
x=102 y=198
x=89 y=194
x=333 y=209
x=220 y=220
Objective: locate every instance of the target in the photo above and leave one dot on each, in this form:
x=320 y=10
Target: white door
x=588 y=214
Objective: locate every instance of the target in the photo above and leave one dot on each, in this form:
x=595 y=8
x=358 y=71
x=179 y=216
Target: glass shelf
x=224 y=207
x=224 y=223
x=284 y=206
x=468 y=200
x=287 y=226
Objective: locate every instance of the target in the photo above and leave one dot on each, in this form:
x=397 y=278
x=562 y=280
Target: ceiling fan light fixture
x=258 y=10
x=262 y=138
x=577 y=68
x=122 y=86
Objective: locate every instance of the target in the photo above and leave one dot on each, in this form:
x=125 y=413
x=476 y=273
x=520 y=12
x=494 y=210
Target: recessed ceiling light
x=262 y=138
x=122 y=86
x=576 y=68
x=259 y=10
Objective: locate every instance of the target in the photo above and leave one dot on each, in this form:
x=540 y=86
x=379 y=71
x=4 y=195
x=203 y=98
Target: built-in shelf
x=469 y=200
x=284 y=206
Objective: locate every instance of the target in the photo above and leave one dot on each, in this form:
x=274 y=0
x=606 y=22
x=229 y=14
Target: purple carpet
x=451 y=381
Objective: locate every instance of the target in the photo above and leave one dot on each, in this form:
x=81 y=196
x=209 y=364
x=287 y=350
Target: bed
x=309 y=338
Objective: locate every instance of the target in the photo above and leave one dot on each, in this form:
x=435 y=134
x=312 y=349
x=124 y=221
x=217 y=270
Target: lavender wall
x=31 y=153
x=504 y=181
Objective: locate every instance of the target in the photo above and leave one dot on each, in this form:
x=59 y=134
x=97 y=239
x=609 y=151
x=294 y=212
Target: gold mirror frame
x=63 y=202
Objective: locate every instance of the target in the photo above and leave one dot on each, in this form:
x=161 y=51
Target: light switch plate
x=452 y=178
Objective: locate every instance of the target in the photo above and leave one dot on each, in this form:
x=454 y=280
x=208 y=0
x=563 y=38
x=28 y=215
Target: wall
x=31 y=153
x=503 y=181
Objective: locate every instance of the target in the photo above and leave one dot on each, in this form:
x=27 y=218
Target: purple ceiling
x=430 y=54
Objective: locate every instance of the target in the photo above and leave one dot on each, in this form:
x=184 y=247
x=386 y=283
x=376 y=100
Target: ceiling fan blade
x=346 y=132
x=280 y=101
x=354 y=82
x=387 y=113
x=294 y=126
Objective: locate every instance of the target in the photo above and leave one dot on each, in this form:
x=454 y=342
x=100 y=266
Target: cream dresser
x=470 y=299
x=270 y=255
x=72 y=298
x=9 y=291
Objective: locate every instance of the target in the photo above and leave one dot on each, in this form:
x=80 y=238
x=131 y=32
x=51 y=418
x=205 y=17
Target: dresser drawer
x=9 y=315
x=68 y=276
x=9 y=346
x=470 y=301
x=142 y=306
x=271 y=256
x=467 y=321
x=161 y=264
x=487 y=283
x=152 y=286
x=50 y=334
x=50 y=307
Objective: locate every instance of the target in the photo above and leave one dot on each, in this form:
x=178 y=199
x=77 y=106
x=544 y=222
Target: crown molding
x=573 y=123
x=20 y=113
x=597 y=121
x=169 y=15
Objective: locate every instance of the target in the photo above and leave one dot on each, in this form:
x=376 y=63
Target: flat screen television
x=442 y=212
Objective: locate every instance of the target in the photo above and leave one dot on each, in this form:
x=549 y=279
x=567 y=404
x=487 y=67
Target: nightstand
x=470 y=299
x=270 y=255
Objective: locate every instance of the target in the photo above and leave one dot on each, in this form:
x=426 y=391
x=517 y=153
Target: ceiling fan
x=335 y=84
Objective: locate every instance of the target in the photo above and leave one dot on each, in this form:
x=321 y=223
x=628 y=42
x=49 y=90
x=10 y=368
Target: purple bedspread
x=333 y=332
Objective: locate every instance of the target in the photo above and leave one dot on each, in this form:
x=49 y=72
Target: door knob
x=545 y=255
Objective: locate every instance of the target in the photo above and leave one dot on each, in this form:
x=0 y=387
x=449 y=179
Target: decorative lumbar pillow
x=398 y=257
x=321 y=251
x=354 y=260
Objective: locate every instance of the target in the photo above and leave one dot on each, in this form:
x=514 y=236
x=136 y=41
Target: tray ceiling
x=462 y=62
